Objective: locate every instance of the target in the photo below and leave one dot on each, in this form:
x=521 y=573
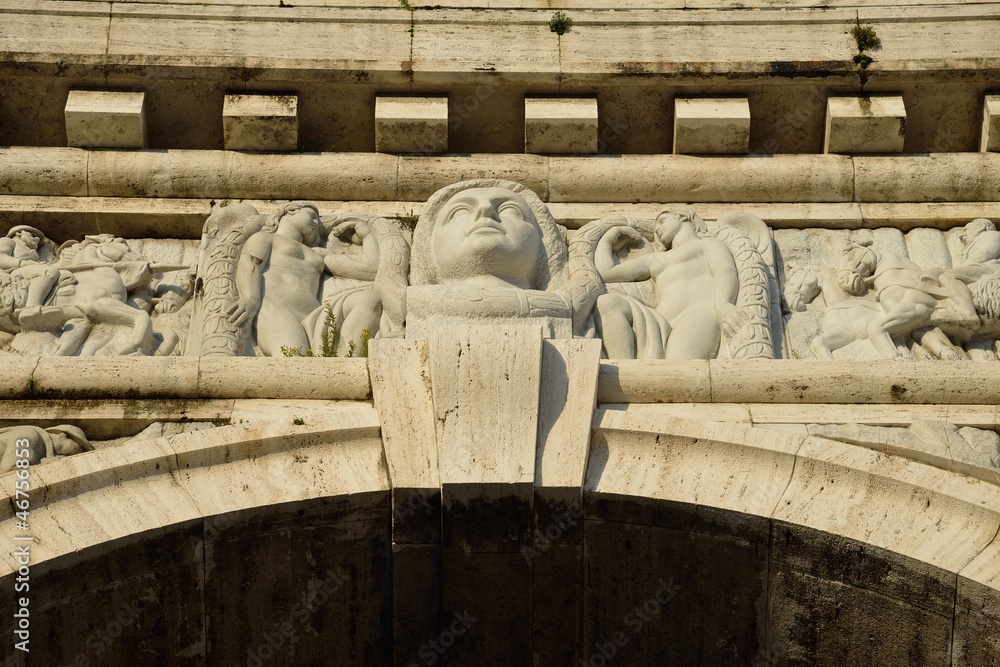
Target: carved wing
x=749 y=240
x=226 y=230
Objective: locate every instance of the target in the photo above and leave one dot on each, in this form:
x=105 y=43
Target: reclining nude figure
x=279 y=274
x=695 y=282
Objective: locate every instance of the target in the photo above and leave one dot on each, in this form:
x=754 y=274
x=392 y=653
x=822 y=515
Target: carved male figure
x=279 y=275
x=695 y=281
x=925 y=304
x=19 y=256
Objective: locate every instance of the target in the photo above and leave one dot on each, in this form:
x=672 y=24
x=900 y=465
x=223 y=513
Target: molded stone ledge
x=106 y=119
x=873 y=124
x=134 y=217
x=260 y=122
x=778 y=381
x=285 y=377
x=186 y=377
x=411 y=124
x=989 y=137
x=712 y=126
x=939 y=177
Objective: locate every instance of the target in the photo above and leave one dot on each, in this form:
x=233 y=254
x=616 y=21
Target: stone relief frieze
x=101 y=295
x=882 y=294
x=671 y=286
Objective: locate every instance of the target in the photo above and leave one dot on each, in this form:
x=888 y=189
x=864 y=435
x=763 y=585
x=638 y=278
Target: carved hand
x=622 y=237
x=359 y=227
x=238 y=313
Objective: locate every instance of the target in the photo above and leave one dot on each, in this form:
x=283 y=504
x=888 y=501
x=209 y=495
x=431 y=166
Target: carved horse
x=850 y=318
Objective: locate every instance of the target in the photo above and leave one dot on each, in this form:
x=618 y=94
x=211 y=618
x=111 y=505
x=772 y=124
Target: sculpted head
x=300 y=218
x=982 y=242
x=481 y=231
x=801 y=287
x=669 y=223
x=26 y=235
x=857 y=265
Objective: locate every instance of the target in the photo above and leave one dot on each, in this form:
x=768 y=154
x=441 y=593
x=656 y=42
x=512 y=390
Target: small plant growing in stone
x=560 y=23
x=328 y=344
x=299 y=421
x=405 y=4
x=867 y=42
x=408 y=220
x=331 y=334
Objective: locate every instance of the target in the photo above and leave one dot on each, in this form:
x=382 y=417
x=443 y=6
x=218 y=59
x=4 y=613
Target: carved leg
x=694 y=337
x=882 y=341
x=112 y=311
x=362 y=310
x=980 y=349
x=613 y=317
x=73 y=337
x=962 y=298
x=835 y=338
x=277 y=327
x=937 y=343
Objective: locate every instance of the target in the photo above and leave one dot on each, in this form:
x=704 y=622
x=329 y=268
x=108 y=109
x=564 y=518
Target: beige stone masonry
x=105 y=119
x=119 y=493
x=777 y=382
x=875 y=124
x=942 y=519
x=954 y=178
x=989 y=137
x=712 y=126
x=568 y=396
x=411 y=124
x=260 y=122
x=482 y=439
x=560 y=125
x=402 y=393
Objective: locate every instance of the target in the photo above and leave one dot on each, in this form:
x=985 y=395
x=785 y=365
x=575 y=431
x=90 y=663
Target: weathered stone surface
x=820 y=622
x=105 y=119
x=711 y=126
x=560 y=125
x=874 y=124
x=989 y=136
x=411 y=124
x=260 y=122
x=567 y=398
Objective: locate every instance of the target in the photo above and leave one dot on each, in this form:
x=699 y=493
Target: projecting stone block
x=261 y=122
x=105 y=119
x=989 y=140
x=864 y=125
x=411 y=124
x=717 y=126
x=567 y=125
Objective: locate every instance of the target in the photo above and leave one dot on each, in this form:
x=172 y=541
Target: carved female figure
x=279 y=273
x=695 y=283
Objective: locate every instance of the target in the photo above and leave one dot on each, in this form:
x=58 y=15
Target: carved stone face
x=27 y=239
x=667 y=227
x=487 y=232
x=305 y=222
